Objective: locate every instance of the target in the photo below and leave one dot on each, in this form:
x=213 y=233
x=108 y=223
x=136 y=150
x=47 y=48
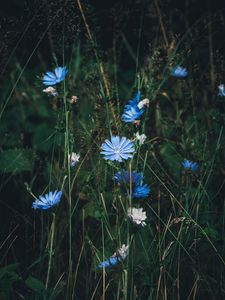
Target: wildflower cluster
x=115 y=149
x=119 y=149
x=53 y=198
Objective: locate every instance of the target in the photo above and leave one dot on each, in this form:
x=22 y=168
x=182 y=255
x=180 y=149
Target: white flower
x=137 y=215
x=141 y=138
x=123 y=251
x=73 y=158
x=73 y=99
x=221 y=88
x=50 y=91
x=142 y=103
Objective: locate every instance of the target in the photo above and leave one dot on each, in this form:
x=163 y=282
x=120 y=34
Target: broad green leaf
x=16 y=160
x=35 y=284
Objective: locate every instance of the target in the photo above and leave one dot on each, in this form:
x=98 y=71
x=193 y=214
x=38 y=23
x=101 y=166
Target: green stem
x=67 y=163
x=52 y=231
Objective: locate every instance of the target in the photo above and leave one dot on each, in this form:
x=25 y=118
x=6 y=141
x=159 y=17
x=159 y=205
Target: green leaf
x=7 y=278
x=7 y=269
x=212 y=233
x=91 y=210
x=42 y=138
x=16 y=160
x=171 y=158
x=35 y=284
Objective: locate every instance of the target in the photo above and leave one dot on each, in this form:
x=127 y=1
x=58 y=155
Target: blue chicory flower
x=131 y=114
x=117 y=149
x=131 y=111
x=47 y=201
x=115 y=259
x=134 y=101
x=179 y=72
x=52 y=78
x=112 y=261
x=190 y=165
x=221 y=88
x=141 y=191
x=124 y=177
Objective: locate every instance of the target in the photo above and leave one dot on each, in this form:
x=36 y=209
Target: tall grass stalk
x=51 y=251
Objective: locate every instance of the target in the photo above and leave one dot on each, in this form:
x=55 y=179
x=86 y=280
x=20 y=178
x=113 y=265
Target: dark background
x=23 y=23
